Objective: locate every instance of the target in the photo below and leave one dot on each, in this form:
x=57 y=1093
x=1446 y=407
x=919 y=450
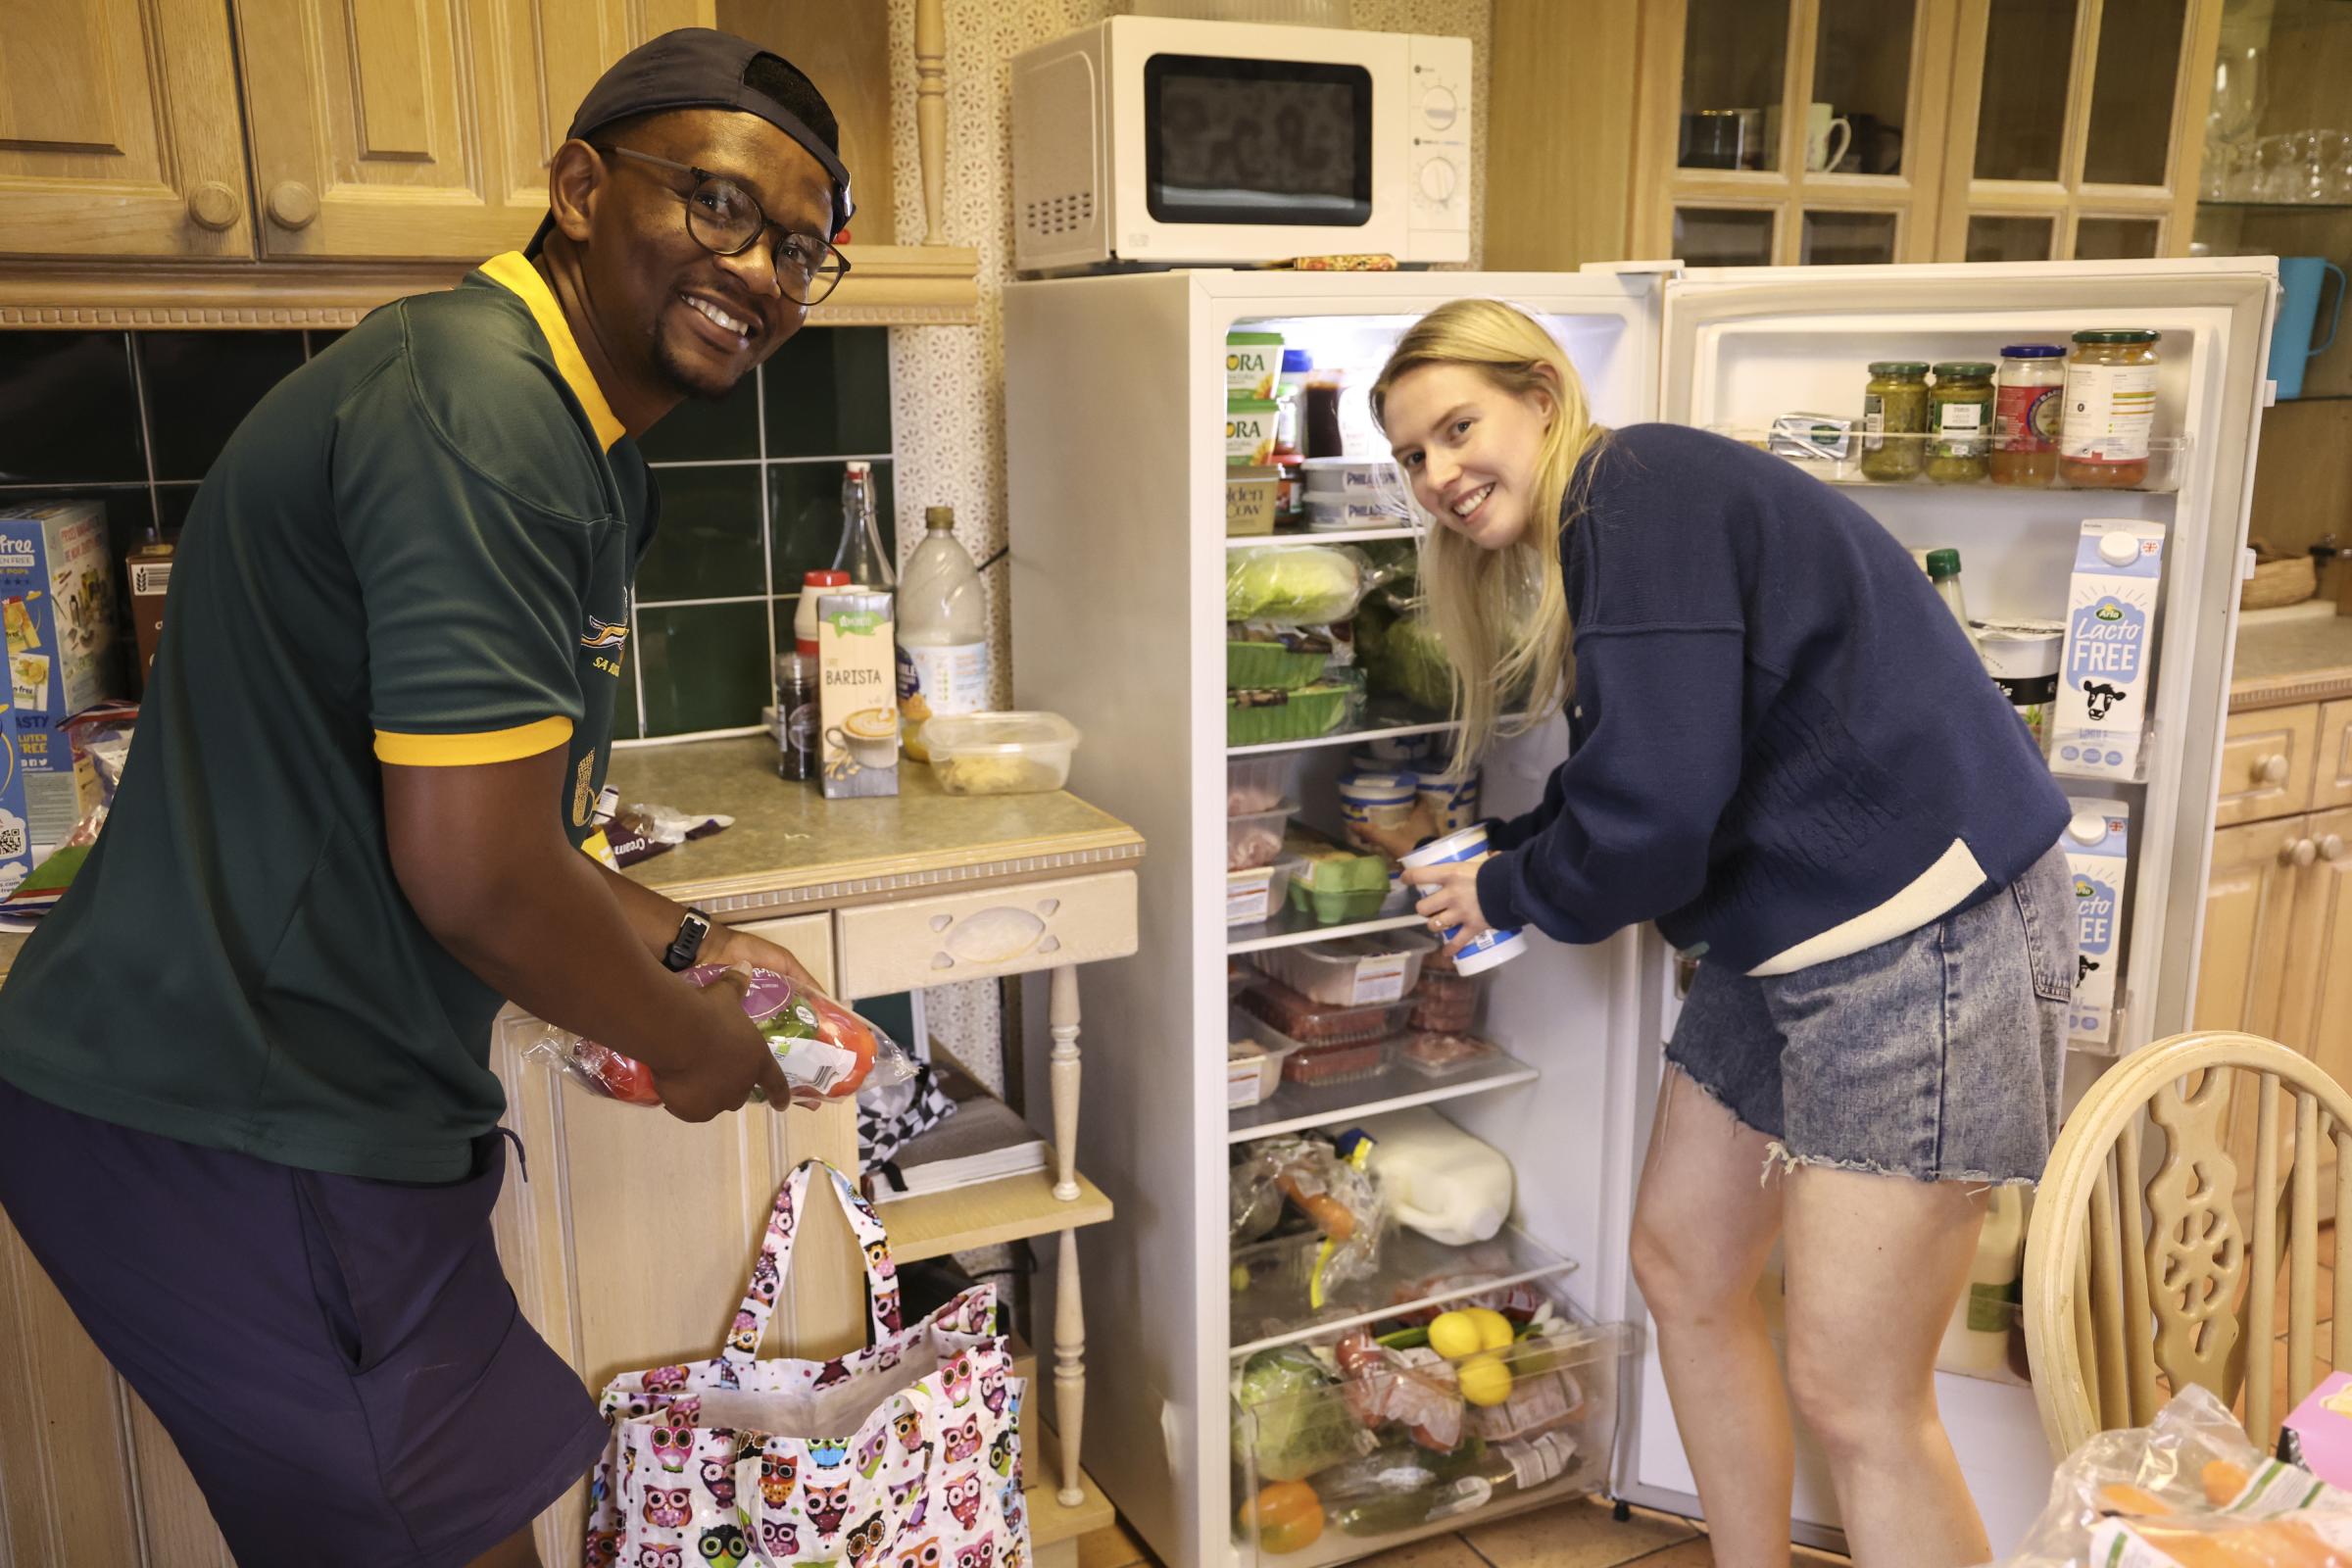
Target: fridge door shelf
x=1399 y=1084
x=1270 y=1305
x=1566 y=1400
x=1843 y=462
x=1402 y=534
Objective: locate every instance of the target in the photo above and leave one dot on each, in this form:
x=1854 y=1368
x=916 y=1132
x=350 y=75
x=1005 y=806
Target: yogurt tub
x=1364 y=477
x=2023 y=656
x=1491 y=947
x=1453 y=799
x=1375 y=799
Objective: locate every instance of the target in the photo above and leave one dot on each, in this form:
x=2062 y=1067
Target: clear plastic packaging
x=1256 y=893
x=1259 y=783
x=1001 y=754
x=1444 y=1003
x=1296 y=585
x=2187 y=1489
x=1297 y=1019
x=826 y=1051
x=1354 y=972
x=1254 y=839
x=1439 y=1052
x=1347 y=1062
x=1251 y=1073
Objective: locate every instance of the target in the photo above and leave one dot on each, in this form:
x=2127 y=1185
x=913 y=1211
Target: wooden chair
x=2131 y=1280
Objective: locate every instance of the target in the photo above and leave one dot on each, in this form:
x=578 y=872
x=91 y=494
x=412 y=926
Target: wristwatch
x=683 y=946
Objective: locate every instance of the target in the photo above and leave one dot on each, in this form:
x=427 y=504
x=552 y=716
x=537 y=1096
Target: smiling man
x=247 y=1119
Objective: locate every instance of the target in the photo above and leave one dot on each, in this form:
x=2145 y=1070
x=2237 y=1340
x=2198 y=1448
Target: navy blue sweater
x=1777 y=725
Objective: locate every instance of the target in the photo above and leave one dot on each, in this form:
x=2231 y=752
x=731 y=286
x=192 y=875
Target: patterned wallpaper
x=947 y=383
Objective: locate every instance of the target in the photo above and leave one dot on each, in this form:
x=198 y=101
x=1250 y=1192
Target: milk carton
x=2098 y=842
x=57 y=607
x=16 y=835
x=2102 y=714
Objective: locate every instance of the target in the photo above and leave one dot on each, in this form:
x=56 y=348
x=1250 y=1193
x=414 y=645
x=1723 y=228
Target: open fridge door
x=1743 y=348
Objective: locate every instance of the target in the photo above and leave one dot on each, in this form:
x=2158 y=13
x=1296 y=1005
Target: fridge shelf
x=1840 y=461
x=1271 y=1306
x=1291 y=928
x=1309 y=536
x=1398 y=1085
x=1385 y=718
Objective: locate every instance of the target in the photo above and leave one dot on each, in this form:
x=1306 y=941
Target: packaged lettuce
x=1296 y=585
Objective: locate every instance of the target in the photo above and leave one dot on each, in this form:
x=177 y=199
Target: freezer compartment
x=1839 y=452
x=1370 y=1439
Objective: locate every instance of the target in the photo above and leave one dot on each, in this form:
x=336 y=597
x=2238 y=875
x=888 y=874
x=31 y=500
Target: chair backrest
x=2127 y=1280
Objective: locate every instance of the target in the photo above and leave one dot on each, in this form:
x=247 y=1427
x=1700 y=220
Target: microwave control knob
x=1438 y=180
x=1439 y=107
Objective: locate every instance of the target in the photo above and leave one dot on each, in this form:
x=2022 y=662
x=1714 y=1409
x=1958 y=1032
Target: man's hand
x=727 y=1057
x=731 y=945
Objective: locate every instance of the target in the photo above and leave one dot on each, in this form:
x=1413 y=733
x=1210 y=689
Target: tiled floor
x=1573 y=1535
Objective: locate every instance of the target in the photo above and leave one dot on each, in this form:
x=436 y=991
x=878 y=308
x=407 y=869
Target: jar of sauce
x=1894 y=405
x=1962 y=440
x=2026 y=404
x=2110 y=409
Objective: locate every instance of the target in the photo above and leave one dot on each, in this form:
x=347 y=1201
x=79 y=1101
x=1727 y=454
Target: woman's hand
x=1454 y=901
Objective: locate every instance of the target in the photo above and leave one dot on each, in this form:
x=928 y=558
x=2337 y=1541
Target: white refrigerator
x=1115 y=395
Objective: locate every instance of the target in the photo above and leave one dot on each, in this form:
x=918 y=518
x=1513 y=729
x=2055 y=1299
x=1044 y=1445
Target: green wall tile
x=707 y=546
x=705 y=667
x=829 y=391
x=700 y=430
x=803 y=515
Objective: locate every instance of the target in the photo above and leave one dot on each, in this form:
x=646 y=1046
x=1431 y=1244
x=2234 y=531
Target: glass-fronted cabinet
x=1843 y=131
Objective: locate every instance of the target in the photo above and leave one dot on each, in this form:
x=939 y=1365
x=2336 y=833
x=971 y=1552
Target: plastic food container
x=1364 y=477
x=1251 y=1072
x=1270 y=667
x=1337 y=886
x=1254 y=838
x=1444 y=1003
x=1440 y=1051
x=1300 y=1020
x=1257 y=895
x=1335 y=511
x=1299 y=715
x=1238 y=977
x=1350 y=1063
x=1259 y=783
x=1355 y=972
x=1001 y=754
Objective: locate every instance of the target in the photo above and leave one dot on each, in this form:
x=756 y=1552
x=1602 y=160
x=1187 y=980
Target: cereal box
x=57 y=607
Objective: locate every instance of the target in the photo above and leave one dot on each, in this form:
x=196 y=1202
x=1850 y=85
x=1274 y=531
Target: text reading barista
x=383 y=703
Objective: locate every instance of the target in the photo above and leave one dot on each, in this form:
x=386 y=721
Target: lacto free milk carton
x=2110 y=660
x=2097 y=849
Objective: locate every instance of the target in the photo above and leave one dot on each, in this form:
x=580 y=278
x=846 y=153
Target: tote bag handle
x=774 y=1264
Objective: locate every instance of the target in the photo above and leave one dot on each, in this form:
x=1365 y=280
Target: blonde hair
x=1502 y=615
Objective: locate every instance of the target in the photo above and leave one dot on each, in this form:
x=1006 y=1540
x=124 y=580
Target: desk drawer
x=981 y=935
x=2266 y=764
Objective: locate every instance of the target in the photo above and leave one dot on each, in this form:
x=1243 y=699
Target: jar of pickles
x=2110 y=409
x=1961 y=441
x=2026 y=405
x=1894 y=417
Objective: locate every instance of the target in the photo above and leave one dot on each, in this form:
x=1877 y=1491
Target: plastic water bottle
x=862 y=555
x=1943 y=571
x=943 y=632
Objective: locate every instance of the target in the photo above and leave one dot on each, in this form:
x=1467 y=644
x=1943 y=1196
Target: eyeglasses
x=727 y=220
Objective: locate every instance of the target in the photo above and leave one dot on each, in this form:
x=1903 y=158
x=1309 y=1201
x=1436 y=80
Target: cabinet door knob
x=292 y=205
x=214 y=206
x=2299 y=852
x=2331 y=848
x=2271 y=770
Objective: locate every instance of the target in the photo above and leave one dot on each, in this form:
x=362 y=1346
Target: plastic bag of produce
x=1404 y=657
x=2188 y=1489
x=826 y=1051
x=1288 y=1410
x=1296 y=585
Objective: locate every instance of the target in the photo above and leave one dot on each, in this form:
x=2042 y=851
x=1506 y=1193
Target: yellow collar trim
x=515 y=272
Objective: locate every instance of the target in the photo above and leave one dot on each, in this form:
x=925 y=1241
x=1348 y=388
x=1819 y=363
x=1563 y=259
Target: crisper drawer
x=1397 y=1444
x=2266 y=764
x=978 y=936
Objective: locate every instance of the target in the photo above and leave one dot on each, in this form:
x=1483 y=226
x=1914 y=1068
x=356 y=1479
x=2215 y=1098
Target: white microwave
x=1157 y=141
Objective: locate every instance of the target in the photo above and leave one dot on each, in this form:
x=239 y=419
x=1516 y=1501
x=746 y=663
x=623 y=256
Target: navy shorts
x=340 y=1361
x=1938 y=1055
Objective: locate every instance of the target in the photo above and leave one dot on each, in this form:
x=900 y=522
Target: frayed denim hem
x=1780 y=1159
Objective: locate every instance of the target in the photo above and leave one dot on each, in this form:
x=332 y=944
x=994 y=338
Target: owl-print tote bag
x=904 y=1452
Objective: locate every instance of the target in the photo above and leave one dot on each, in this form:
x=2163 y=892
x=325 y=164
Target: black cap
x=698 y=68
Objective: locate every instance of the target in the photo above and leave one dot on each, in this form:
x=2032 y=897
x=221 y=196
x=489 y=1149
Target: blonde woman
x=1783 y=751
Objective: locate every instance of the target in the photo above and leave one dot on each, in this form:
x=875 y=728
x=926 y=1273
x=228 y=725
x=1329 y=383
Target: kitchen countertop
x=792 y=849
x=2291 y=660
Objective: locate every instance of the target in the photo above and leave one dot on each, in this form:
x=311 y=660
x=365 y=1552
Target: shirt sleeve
x=474 y=597
x=1624 y=830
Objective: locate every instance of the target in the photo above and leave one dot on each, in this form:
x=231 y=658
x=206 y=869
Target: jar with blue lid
x=2028 y=398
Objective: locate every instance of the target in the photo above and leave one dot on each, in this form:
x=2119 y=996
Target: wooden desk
x=632 y=1242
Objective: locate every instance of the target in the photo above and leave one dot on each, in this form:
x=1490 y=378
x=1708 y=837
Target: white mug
x=1828 y=135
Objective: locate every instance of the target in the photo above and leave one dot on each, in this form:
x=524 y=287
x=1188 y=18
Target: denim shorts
x=1936 y=1054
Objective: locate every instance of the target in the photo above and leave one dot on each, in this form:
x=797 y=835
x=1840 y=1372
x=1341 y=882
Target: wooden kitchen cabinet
x=1753 y=133
x=119 y=132
x=390 y=130
x=2268 y=764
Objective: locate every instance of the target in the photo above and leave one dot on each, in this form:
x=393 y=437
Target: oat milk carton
x=858 y=694
x=2097 y=843
x=2102 y=714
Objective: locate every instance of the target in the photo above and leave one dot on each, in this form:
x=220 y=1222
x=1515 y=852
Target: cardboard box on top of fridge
x=2098 y=843
x=2101 y=722
x=57 y=601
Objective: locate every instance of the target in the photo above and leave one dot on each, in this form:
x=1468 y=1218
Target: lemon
x=1454 y=1335
x=1495 y=1331
x=1484 y=1379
